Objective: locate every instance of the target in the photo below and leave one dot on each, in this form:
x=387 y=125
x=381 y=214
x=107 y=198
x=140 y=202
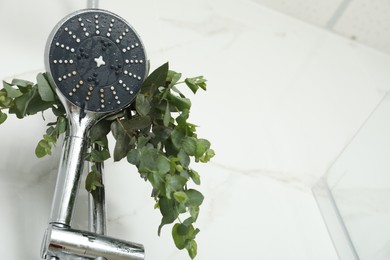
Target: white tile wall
x=284 y=98
x=365 y=21
x=312 y=11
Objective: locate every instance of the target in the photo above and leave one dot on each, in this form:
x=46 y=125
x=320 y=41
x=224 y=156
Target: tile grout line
x=337 y=14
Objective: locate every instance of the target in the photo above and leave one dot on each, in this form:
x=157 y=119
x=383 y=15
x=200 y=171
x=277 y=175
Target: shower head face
x=96 y=60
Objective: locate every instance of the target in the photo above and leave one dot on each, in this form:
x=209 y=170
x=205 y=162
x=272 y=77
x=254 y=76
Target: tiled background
x=284 y=98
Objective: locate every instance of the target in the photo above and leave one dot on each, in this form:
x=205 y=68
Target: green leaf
x=100 y=130
x=3 y=117
x=161 y=133
x=173 y=77
x=182 y=118
x=36 y=104
x=180 y=240
x=99 y=156
x=195 y=177
x=148 y=159
x=194 y=212
x=157 y=181
x=209 y=154
x=122 y=147
x=50 y=139
x=93 y=180
x=11 y=91
x=142 y=105
x=177 y=137
x=179 y=102
x=133 y=156
x=189 y=145
x=21 y=104
x=156 y=79
x=195 y=83
x=202 y=145
x=175 y=182
x=62 y=124
x=195 y=198
x=136 y=123
x=116 y=129
x=167 y=116
x=163 y=164
x=180 y=196
x=184 y=158
x=43 y=148
x=192 y=248
x=22 y=83
x=44 y=88
x=184 y=236
x=167 y=209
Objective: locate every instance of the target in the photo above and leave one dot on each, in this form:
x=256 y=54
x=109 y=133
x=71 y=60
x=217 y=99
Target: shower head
x=96 y=60
x=97 y=63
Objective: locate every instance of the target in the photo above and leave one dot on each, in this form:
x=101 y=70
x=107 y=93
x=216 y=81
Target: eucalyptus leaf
x=189 y=145
x=21 y=104
x=173 y=77
x=122 y=147
x=142 y=104
x=182 y=235
x=61 y=124
x=11 y=91
x=179 y=102
x=175 y=182
x=36 y=104
x=44 y=89
x=195 y=177
x=43 y=148
x=3 y=117
x=168 y=210
x=99 y=156
x=195 y=198
x=192 y=248
x=180 y=196
x=207 y=156
x=202 y=145
x=93 y=180
x=133 y=156
x=156 y=78
x=136 y=123
x=177 y=137
x=22 y=83
x=184 y=158
x=163 y=164
x=182 y=118
x=195 y=83
x=167 y=116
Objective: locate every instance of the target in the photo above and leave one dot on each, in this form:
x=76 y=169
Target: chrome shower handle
x=71 y=164
x=66 y=243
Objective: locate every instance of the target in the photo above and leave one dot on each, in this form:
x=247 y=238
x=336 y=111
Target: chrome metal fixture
x=97 y=62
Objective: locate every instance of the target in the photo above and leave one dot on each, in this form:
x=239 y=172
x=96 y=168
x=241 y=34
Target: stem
x=124 y=129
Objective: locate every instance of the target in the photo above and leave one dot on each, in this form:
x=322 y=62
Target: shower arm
x=93 y=4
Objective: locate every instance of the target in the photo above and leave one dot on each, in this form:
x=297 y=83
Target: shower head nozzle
x=96 y=60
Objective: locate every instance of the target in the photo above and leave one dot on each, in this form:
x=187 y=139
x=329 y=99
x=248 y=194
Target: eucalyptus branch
x=153 y=134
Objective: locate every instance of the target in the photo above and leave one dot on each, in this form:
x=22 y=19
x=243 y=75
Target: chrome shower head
x=97 y=63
